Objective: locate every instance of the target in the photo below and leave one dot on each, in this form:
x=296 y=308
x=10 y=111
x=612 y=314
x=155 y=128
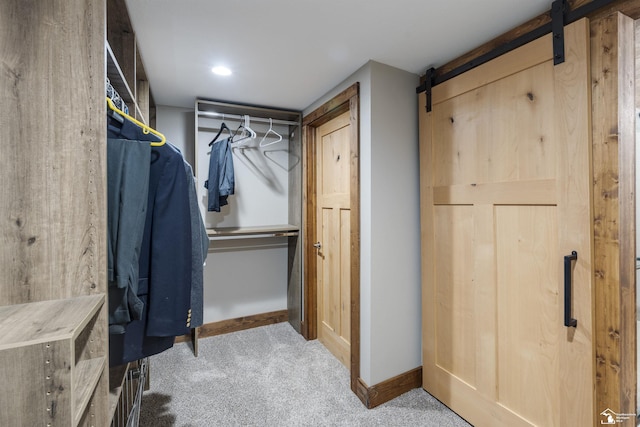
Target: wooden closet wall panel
x=52 y=163
x=294 y=287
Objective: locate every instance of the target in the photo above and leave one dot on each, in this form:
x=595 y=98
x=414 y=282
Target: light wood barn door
x=505 y=196
x=333 y=236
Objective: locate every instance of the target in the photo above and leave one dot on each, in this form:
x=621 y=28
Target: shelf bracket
x=558 y=19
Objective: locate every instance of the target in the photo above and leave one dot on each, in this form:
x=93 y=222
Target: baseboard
x=389 y=389
x=238 y=324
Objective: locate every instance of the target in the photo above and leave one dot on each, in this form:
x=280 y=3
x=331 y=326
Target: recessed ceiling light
x=221 y=71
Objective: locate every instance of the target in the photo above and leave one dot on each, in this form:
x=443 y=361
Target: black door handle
x=568 y=320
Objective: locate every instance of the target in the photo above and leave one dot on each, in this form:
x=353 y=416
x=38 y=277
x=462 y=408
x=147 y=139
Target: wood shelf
x=52 y=349
x=38 y=322
x=284 y=230
x=119 y=83
x=85 y=378
x=117 y=375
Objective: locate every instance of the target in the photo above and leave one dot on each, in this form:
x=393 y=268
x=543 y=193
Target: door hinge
x=558 y=19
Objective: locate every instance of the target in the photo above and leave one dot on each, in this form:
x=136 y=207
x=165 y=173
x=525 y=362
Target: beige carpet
x=270 y=376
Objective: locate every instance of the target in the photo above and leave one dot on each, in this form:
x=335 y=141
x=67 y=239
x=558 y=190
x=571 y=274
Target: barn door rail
x=561 y=15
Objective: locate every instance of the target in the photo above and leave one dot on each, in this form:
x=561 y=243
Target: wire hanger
x=145 y=129
x=223 y=126
x=262 y=144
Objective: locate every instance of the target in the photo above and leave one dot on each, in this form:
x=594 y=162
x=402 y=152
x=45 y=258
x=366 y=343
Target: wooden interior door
x=333 y=235
x=505 y=195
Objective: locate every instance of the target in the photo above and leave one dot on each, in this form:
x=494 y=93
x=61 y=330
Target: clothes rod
x=251 y=118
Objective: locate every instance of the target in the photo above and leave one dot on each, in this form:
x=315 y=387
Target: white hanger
x=262 y=144
x=247 y=132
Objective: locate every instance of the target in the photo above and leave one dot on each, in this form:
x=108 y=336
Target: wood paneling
x=492 y=71
x=612 y=71
x=540 y=192
x=53 y=167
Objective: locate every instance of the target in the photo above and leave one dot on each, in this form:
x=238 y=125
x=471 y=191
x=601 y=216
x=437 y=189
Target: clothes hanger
x=247 y=132
x=262 y=144
x=223 y=126
x=145 y=129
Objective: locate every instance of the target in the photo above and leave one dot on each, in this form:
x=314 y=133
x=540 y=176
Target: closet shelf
x=85 y=379
x=39 y=322
x=285 y=230
x=117 y=376
x=58 y=339
x=119 y=83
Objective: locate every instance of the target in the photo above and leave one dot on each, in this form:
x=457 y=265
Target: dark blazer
x=164 y=283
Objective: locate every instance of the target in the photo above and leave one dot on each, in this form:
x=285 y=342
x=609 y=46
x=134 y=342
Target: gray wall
x=390 y=302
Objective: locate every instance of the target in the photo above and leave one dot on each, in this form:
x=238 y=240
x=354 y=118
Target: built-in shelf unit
x=50 y=354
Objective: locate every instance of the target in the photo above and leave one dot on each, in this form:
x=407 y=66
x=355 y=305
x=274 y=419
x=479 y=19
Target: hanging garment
x=127 y=191
x=199 y=250
x=221 y=182
x=165 y=261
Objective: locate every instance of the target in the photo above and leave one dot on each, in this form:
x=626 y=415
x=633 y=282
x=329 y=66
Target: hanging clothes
x=127 y=191
x=221 y=182
x=165 y=260
x=199 y=251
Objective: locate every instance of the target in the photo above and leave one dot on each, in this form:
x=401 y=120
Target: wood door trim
x=332 y=108
x=612 y=69
x=347 y=100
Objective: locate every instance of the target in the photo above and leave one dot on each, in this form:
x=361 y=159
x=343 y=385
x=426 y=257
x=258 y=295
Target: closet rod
x=252 y=118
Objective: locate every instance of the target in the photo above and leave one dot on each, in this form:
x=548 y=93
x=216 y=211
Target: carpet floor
x=270 y=376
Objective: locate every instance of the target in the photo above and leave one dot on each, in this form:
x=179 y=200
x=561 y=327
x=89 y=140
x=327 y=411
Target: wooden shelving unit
x=125 y=69
x=127 y=75
x=116 y=380
x=51 y=349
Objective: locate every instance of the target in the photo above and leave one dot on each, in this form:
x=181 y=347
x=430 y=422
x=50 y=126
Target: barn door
x=505 y=188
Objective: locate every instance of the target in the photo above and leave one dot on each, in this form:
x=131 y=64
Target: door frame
x=347 y=100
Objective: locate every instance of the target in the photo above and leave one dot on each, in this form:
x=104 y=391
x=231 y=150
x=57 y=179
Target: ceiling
x=289 y=53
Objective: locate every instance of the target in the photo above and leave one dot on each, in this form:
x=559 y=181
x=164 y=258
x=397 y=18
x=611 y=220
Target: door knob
x=317 y=245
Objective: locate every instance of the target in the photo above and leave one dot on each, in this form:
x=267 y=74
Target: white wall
x=390 y=296
x=178 y=125
x=261 y=176
x=241 y=277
